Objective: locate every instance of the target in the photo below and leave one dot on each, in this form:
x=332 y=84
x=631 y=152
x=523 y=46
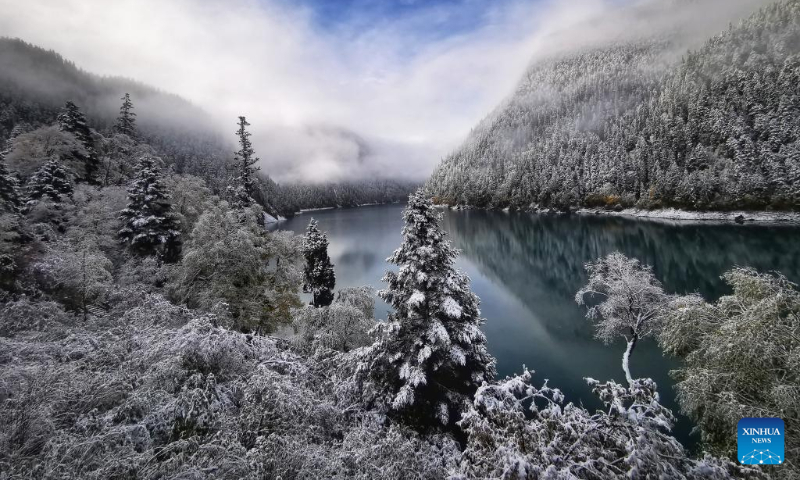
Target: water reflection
x=527 y=268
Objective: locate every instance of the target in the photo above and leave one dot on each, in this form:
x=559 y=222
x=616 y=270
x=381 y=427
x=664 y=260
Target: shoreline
x=337 y=207
x=738 y=217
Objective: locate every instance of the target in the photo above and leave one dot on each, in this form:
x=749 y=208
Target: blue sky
x=422 y=21
x=445 y=17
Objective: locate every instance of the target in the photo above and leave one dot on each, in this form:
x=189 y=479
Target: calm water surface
x=526 y=269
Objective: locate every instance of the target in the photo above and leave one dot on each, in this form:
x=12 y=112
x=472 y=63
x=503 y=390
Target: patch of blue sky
x=426 y=20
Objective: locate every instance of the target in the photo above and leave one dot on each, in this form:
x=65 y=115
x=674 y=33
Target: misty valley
x=349 y=239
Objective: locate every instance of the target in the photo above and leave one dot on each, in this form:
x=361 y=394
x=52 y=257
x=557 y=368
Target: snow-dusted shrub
x=741 y=359
x=367 y=450
x=47 y=219
x=517 y=431
x=230 y=259
x=211 y=350
x=95 y=217
x=190 y=197
x=11 y=258
x=29 y=151
x=78 y=274
x=148 y=272
x=362 y=298
x=134 y=395
x=24 y=425
x=284 y=276
x=142 y=310
x=25 y=315
x=342 y=326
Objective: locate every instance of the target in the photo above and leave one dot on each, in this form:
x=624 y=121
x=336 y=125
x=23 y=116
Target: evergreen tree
x=149 y=225
x=243 y=187
x=9 y=189
x=126 y=122
x=73 y=121
x=51 y=181
x=431 y=355
x=318 y=276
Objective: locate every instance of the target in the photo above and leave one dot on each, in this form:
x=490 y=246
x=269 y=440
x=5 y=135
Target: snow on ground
x=270 y=219
x=684 y=215
x=304 y=210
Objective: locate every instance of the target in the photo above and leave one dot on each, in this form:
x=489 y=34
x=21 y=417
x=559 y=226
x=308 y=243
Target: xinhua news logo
x=760 y=441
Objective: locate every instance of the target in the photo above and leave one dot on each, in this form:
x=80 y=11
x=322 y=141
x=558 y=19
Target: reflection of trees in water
x=539 y=256
x=365 y=260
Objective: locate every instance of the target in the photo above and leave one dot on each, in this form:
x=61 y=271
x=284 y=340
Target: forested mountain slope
x=298 y=196
x=621 y=125
x=35 y=84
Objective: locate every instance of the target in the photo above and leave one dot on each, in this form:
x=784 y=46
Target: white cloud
x=323 y=104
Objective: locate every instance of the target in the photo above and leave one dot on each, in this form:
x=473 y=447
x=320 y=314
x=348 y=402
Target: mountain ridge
x=36 y=82
x=594 y=130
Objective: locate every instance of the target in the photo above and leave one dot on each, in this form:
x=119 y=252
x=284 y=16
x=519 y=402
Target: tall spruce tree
x=431 y=355
x=73 y=121
x=243 y=187
x=9 y=189
x=126 y=122
x=318 y=276
x=51 y=181
x=150 y=227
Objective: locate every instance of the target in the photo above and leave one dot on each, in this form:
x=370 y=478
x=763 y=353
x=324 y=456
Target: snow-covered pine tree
x=50 y=181
x=126 y=122
x=318 y=276
x=150 y=227
x=9 y=189
x=73 y=121
x=430 y=356
x=243 y=185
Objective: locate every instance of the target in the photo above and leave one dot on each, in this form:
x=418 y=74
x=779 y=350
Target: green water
x=526 y=269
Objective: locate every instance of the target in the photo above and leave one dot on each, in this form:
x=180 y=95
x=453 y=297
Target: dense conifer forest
x=624 y=126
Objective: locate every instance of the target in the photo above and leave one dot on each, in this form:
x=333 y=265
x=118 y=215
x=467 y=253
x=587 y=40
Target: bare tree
x=633 y=302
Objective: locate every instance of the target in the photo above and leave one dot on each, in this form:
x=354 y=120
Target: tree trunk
x=626 y=358
x=83 y=288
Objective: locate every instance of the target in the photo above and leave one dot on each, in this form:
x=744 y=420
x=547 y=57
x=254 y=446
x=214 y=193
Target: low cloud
x=368 y=98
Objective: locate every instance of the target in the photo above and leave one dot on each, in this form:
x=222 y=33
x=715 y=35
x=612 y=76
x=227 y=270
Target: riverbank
x=668 y=214
x=307 y=210
x=672 y=214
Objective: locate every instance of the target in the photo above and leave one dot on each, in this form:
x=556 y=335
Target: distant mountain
x=623 y=125
x=35 y=84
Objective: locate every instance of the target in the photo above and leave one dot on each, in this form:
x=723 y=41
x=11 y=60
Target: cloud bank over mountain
x=335 y=93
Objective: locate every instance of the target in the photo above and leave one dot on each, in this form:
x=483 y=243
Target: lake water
x=526 y=269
